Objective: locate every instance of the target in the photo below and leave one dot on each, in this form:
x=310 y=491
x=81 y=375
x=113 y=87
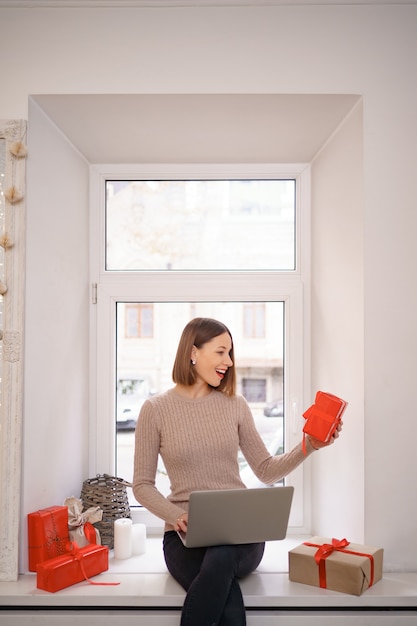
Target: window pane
x=200 y=225
x=254 y=319
x=254 y=389
x=144 y=367
x=132 y=320
x=138 y=320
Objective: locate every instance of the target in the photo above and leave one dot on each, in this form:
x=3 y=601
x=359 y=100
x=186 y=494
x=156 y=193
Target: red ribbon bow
x=326 y=549
x=90 y=532
x=74 y=550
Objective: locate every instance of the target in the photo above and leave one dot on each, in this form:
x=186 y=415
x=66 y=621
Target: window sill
x=275 y=559
x=146 y=584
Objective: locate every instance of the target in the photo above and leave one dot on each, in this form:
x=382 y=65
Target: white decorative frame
x=12 y=239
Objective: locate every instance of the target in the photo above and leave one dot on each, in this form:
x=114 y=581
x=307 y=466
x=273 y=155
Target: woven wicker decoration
x=109 y=493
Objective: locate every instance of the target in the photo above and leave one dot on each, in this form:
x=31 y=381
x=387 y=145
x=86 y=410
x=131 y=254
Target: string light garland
x=6 y=242
x=12 y=274
x=17 y=150
x=13 y=195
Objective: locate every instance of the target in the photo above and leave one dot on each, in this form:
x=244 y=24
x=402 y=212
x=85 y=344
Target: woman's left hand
x=181 y=523
x=317 y=444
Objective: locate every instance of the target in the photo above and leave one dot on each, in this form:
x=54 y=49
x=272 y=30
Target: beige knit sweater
x=199 y=440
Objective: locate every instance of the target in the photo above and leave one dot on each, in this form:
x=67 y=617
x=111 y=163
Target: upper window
x=200 y=225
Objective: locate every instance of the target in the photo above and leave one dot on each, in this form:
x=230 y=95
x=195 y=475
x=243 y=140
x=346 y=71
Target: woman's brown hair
x=199 y=331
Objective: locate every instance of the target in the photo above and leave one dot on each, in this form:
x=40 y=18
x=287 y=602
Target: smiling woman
x=210 y=356
x=198 y=428
x=12 y=238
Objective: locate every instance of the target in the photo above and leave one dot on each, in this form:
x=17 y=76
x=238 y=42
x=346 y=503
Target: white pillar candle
x=123 y=543
x=139 y=538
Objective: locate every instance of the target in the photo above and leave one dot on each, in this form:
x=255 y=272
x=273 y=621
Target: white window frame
x=110 y=287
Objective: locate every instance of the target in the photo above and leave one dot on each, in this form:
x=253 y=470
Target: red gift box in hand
x=47 y=534
x=323 y=417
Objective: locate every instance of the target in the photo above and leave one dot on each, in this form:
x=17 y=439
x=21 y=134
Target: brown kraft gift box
x=336 y=564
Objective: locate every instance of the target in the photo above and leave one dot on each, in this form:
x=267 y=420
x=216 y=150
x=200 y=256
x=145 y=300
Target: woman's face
x=213 y=360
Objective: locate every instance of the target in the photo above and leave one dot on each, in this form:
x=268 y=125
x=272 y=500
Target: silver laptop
x=234 y=516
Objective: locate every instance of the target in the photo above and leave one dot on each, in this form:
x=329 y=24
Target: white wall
x=337 y=304
x=365 y=50
x=55 y=436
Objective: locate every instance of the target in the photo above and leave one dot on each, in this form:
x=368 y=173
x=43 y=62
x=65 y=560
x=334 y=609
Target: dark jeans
x=209 y=576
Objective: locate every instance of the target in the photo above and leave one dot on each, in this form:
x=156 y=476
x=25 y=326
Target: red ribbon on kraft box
x=90 y=533
x=326 y=549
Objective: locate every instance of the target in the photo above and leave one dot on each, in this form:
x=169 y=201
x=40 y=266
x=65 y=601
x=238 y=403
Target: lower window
x=144 y=363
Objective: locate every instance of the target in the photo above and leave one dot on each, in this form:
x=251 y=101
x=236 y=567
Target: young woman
x=198 y=427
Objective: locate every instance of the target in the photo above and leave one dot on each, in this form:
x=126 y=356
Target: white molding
x=152 y=4
x=11 y=390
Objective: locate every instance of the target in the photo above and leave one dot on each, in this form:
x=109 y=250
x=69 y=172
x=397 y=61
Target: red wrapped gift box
x=47 y=533
x=323 y=417
x=73 y=567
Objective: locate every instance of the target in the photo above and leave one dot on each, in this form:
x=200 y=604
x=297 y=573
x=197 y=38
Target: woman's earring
x=193 y=362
